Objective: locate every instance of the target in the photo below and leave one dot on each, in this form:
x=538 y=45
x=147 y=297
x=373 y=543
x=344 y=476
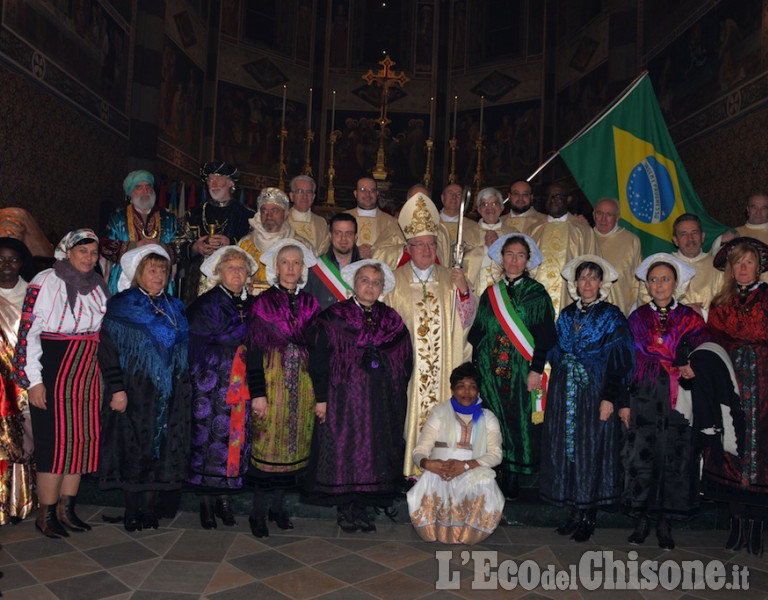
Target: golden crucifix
x=386 y=78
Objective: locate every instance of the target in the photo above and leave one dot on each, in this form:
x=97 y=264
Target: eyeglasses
x=303 y=192
x=366 y=190
x=600 y=213
x=423 y=245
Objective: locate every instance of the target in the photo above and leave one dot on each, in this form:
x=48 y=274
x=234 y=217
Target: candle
x=309 y=111
x=285 y=87
x=482 y=102
x=333 y=112
x=432 y=118
x=455 y=114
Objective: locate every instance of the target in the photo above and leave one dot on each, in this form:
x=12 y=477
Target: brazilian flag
x=628 y=154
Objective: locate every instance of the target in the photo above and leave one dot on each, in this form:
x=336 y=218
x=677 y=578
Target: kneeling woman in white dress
x=456 y=500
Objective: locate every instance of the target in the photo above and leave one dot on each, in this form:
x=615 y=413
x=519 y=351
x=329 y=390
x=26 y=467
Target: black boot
x=664 y=535
x=66 y=514
x=224 y=511
x=345 y=518
x=258 y=526
x=571 y=524
x=207 y=518
x=511 y=486
x=47 y=523
x=362 y=520
x=755 y=546
x=586 y=527
x=642 y=529
x=737 y=535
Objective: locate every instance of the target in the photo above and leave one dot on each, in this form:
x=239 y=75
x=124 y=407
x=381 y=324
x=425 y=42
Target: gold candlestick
x=282 y=171
x=331 y=198
x=454 y=146
x=428 y=172
x=307 y=152
x=478 y=180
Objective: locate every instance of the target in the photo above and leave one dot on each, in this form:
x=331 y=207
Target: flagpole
x=591 y=124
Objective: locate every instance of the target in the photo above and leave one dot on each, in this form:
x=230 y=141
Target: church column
x=145 y=90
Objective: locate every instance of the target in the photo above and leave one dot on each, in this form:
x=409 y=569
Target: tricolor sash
x=521 y=338
x=330 y=275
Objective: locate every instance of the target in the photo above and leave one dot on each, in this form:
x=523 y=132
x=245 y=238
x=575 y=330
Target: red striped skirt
x=67 y=432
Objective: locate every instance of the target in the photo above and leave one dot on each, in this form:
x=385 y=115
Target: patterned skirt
x=66 y=432
x=282 y=439
x=464 y=510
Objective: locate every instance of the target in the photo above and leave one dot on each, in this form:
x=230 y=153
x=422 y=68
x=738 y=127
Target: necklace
x=583 y=308
x=239 y=301
x=212 y=228
x=155 y=302
x=744 y=292
x=663 y=312
x=423 y=283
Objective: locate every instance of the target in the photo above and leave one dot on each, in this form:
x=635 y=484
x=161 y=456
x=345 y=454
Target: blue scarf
x=476 y=410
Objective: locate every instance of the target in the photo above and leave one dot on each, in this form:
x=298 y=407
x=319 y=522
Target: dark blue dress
x=593 y=361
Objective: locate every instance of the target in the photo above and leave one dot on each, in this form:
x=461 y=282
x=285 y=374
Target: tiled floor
x=181 y=561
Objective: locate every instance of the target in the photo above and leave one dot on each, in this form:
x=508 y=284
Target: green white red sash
x=521 y=338
x=330 y=275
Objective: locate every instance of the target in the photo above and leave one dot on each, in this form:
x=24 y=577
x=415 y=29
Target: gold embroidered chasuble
x=453 y=229
x=526 y=221
x=559 y=242
x=481 y=271
x=622 y=249
x=312 y=227
x=383 y=233
x=437 y=349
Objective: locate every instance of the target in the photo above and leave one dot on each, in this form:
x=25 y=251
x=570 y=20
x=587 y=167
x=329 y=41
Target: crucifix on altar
x=386 y=77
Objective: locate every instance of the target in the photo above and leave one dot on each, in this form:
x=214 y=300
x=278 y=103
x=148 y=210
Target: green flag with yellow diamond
x=628 y=154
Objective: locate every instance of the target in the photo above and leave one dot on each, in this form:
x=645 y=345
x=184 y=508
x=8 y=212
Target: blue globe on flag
x=650 y=193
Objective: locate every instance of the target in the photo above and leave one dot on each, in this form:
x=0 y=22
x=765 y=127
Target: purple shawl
x=271 y=325
x=386 y=336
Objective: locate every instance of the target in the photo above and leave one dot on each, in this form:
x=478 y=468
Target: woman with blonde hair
x=279 y=382
x=221 y=403
x=738 y=319
x=143 y=358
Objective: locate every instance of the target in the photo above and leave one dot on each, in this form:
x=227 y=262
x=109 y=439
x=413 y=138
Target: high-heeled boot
x=224 y=511
x=755 y=546
x=66 y=514
x=47 y=523
x=737 y=535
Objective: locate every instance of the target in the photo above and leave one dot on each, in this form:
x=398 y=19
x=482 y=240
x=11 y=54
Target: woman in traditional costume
x=16 y=442
x=457 y=500
x=738 y=319
x=55 y=361
x=660 y=463
x=360 y=360
x=143 y=357
x=512 y=333
x=221 y=403
x=591 y=367
x=278 y=381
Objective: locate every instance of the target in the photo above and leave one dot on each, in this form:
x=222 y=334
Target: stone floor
x=181 y=561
